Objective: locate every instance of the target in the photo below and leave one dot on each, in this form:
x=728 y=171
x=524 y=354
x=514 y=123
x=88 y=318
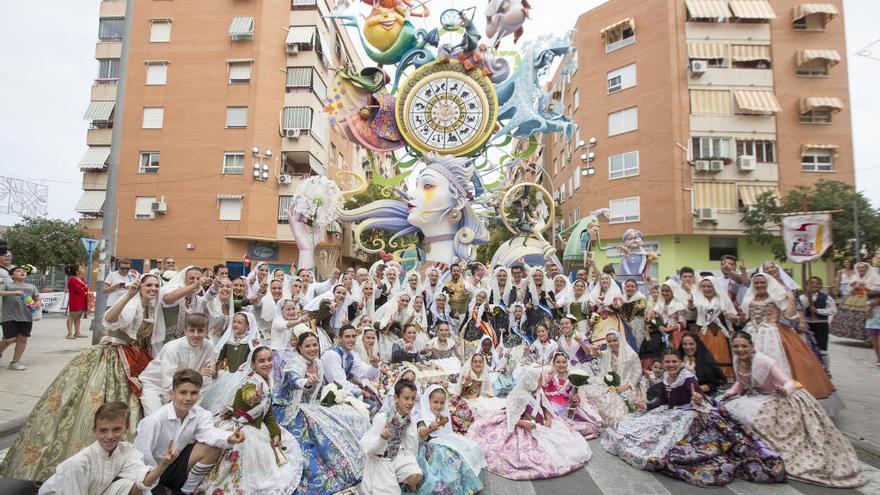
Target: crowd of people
x=384 y=381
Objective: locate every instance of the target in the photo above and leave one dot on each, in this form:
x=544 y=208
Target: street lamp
x=261 y=169
x=587 y=156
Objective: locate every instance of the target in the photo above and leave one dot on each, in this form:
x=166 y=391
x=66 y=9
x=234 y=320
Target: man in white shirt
x=190 y=430
x=341 y=365
x=114 y=284
x=192 y=351
x=109 y=466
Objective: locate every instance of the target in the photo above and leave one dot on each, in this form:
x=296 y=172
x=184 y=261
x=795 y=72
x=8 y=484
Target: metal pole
x=856 y=228
x=110 y=211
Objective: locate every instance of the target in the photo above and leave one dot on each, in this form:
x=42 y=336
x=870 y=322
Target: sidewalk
x=855 y=376
x=47 y=353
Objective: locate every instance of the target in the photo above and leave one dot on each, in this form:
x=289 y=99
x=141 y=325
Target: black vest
x=820 y=303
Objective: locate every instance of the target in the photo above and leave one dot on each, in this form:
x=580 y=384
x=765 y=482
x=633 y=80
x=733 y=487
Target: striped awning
x=749 y=194
x=707 y=50
x=229 y=196
x=828 y=10
x=91 y=202
x=757 y=101
x=628 y=22
x=299 y=77
x=301 y=35
x=749 y=53
x=806 y=56
x=283 y=205
x=95 y=158
x=707 y=9
x=316 y=165
x=811 y=102
x=752 y=9
x=239 y=60
x=296 y=118
x=709 y=102
x=241 y=27
x=718 y=195
x=303 y=3
x=99 y=110
x=805 y=148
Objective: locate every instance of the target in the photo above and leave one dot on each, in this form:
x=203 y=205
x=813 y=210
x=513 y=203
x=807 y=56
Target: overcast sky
x=49 y=54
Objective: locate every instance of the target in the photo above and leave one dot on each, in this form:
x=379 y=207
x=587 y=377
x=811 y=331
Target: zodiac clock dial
x=444 y=108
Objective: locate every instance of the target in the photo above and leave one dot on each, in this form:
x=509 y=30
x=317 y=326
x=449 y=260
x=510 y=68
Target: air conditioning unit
x=716 y=165
x=159 y=207
x=701 y=165
x=698 y=67
x=706 y=215
x=745 y=163
x=292 y=133
x=285 y=179
x=293 y=49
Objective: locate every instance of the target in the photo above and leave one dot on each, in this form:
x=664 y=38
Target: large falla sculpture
x=447 y=106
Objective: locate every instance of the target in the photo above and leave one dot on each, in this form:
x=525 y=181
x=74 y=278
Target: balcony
x=733 y=124
x=99 y=137
x=731 y=31
x=718 y=78
x=94 y=180
x=92 y=224
x=113 y=8
x=104 y=90
x=108 y=49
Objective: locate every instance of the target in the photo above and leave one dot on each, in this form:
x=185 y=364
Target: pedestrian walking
x=20 y=301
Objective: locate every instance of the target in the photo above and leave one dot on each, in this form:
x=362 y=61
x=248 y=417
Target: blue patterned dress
x=332 y=458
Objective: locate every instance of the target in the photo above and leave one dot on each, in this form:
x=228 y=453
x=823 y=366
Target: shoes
x=17 y=366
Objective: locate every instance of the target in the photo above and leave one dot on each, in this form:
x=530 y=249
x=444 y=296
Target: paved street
x=854 y=374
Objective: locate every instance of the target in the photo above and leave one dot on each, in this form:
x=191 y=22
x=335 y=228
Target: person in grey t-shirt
x=20 y=300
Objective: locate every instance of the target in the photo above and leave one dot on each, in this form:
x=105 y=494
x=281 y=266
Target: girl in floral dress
x=584 y=417
x=251 y=466
x=471 y=395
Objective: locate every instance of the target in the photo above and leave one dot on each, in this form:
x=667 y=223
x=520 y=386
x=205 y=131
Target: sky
x=49 y=55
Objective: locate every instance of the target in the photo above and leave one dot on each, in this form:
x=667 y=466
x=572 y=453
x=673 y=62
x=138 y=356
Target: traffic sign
x=90 y=245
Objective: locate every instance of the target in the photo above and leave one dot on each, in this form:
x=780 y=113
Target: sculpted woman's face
x=429 y=199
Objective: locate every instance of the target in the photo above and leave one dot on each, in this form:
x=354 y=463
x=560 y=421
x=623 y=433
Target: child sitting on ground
x=109 y=466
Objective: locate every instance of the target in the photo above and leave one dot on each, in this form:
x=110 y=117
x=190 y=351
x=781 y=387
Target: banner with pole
x=806 y=236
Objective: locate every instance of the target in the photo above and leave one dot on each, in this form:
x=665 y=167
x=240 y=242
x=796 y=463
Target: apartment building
x=222 y=120
x=698 y=107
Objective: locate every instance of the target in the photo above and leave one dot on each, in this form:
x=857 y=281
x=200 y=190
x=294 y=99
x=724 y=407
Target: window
x=817 y=160
x=283 y=205
x=570 y=186
x=241 y=29
x=619 y=37
x=157 y=74
x=305 y=79
x=763 y=151
x=143 y=207
x=160 y=31
x=710 y=148
x=814 y=68
x=623 y=121
x=108 y=68
x=816 y=116
x=236 y=117
x=799 y=24
x=111 y=28
x=555 y=165
x=577 y=214
x=622 y=78
x=624 y=210
x=623 y=165
x=230 y=208
x=153 y=117
x=562 y=193
x=722 y=246
x=233 y=163
x=576 y=174
x=149 y=162
x=239 y=72
x=303 y=5
x=576 y=98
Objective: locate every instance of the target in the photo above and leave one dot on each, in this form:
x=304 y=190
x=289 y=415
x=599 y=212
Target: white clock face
x=446 y=112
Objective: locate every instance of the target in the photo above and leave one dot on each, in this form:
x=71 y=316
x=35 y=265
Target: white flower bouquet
x=317 y=202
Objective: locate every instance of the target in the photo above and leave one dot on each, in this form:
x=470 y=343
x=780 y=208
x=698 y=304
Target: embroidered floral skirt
x=445 y=472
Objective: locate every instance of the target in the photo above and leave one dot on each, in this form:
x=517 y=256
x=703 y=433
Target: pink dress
x=584 y=418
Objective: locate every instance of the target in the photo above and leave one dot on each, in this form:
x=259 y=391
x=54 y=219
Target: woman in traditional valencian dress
x=789 y=420
x=61 y=422
x=849 y=322
x=699 y=361
x=251 y=466
x=672 y=307
x=632 y=312
x=765 y=302
x=605 y=299
x=527 y=440
x=611 y=400
x=578 y=414
x=332 y=458
x=715 y=315
x=471 y=396
x=681 y=436
x=478 y=323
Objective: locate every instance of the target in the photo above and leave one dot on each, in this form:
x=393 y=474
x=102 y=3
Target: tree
x=824 y=195
x=46 y=243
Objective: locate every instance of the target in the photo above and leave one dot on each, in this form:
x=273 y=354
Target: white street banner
x=806 y=237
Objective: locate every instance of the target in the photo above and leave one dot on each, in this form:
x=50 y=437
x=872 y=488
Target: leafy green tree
x=46 y=243
x=763 y=218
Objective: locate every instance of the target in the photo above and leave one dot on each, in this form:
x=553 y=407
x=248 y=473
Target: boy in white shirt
x=391 y=445
x=192 y=351
x=190 y=430
x=109 y=466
